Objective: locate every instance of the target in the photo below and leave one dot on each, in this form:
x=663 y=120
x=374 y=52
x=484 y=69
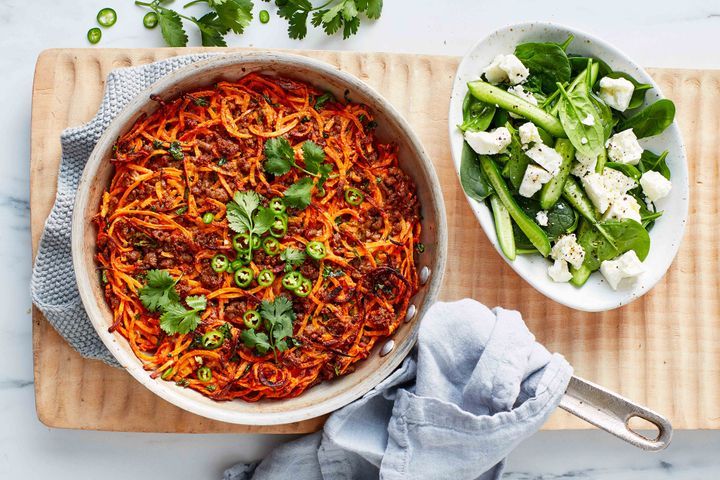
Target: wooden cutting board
x=662 y=351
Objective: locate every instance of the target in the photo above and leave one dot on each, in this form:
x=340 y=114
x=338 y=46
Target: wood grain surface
x=662 y=350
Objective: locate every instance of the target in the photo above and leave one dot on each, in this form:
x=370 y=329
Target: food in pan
x=256 y=238
x=553 y=144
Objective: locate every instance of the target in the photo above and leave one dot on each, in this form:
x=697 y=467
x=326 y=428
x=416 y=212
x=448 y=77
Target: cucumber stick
x=492 y=95
x=577 y=197
x=553 y=190
x=503 y=227
x=535 y=234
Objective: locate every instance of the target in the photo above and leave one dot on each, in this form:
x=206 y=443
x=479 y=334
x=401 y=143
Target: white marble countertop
x=659 y=33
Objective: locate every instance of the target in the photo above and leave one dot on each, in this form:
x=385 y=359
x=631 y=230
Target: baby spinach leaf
x=651 y=120
x=562 y=218
x=628 y=170
x=638 y=96
x=574 y=107
x=546 y=61
x=472 y=177
x=623 y=236
x=477 y=115
x=650 y=161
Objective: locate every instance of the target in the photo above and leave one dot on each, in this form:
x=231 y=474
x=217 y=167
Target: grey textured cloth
x=476 y=386
x=54 y=289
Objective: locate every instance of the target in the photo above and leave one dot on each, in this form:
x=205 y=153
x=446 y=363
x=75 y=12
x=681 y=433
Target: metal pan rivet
x=424 y=275
x=410 y=313
x=387 y=348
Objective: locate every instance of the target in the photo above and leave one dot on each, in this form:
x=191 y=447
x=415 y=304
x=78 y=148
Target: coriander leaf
x=349 y=10
x=374 y=9
x=212 y=30
x=175 y=151
x=176 y=319
x=299 y=193
x=171 y=27
x=292 y=6
x=313 y=156
x=293 y=256
x=297 y=25
x=322 y=99
x=350 y=27
x=279 y=315
x=240 y=211
x=279 y=155
x=159 y=290
x=263 y=221
x=256 y=340
x=235 y=15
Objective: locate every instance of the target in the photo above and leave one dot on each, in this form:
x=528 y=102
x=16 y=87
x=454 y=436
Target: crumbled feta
x=622 y=207
x=623 y=147
x=546 y=157
x=520 y=92
x=594 y=186
x=559 y=272
x=542 y=218
x=627 y=265
x=655 y=185
x=616 y=92
x=566 y=248
x=533 y=180
x=583 y=166
x=529 y=133
x=506 y=68
x=617 y=182
x=589 y=121
x=489 y=143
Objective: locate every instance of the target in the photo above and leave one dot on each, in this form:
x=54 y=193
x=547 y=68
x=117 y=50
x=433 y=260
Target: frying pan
x=590 y=402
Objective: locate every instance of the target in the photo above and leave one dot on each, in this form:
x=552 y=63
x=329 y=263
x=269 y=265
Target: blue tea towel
x=477 y=385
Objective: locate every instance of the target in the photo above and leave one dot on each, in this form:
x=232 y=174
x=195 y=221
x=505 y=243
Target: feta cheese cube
x=627 y=265
x=617 y=182
x=546 y=157
x=589 y=121
x=622 y=207
x=594 y=186
x=623 y=147
x=559 y=272
x=566 y=248
x=520 y=92
x=616 y=92
x=654 y=185
x=580 y=170
x=489 y=143
x=529 y=133
x=542 y=218
x=533 y=180
x=506 y=68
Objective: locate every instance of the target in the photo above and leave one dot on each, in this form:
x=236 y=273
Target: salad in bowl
x=560 y=145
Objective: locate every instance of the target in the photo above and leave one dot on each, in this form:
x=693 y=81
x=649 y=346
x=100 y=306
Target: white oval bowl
x=329 y=395
x=596 y=295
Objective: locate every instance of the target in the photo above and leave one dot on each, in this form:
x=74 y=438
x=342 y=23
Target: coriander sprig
x=278 y=317
x=159 y=294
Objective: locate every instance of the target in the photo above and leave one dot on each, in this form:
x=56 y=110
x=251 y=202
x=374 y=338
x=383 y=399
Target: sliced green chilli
x=212 y=339
x=278 y=229
x=243 y=277
x=107 y=17
x=265 y=278
x=94 y=35
x=208 y=218
x=316 y=250
x=304 y=288
x=271 y=246
x=292 y=280
x=353 y=196
x=219 y=263
x=204 y=374
x=150 y=20
x=264 y=16
x=252 y=319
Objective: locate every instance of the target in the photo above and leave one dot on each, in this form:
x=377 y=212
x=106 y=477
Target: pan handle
x=611 y=412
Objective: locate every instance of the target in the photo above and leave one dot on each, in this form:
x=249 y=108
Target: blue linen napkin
x=476 y=385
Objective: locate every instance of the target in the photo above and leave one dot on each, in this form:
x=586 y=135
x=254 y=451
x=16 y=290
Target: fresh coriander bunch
x=225 y=16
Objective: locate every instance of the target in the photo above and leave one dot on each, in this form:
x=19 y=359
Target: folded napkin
x=476 y=385
x=53 y=286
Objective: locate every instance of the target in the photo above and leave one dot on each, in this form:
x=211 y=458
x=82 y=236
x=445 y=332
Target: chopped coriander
x=176 y=151
x=293 y=256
